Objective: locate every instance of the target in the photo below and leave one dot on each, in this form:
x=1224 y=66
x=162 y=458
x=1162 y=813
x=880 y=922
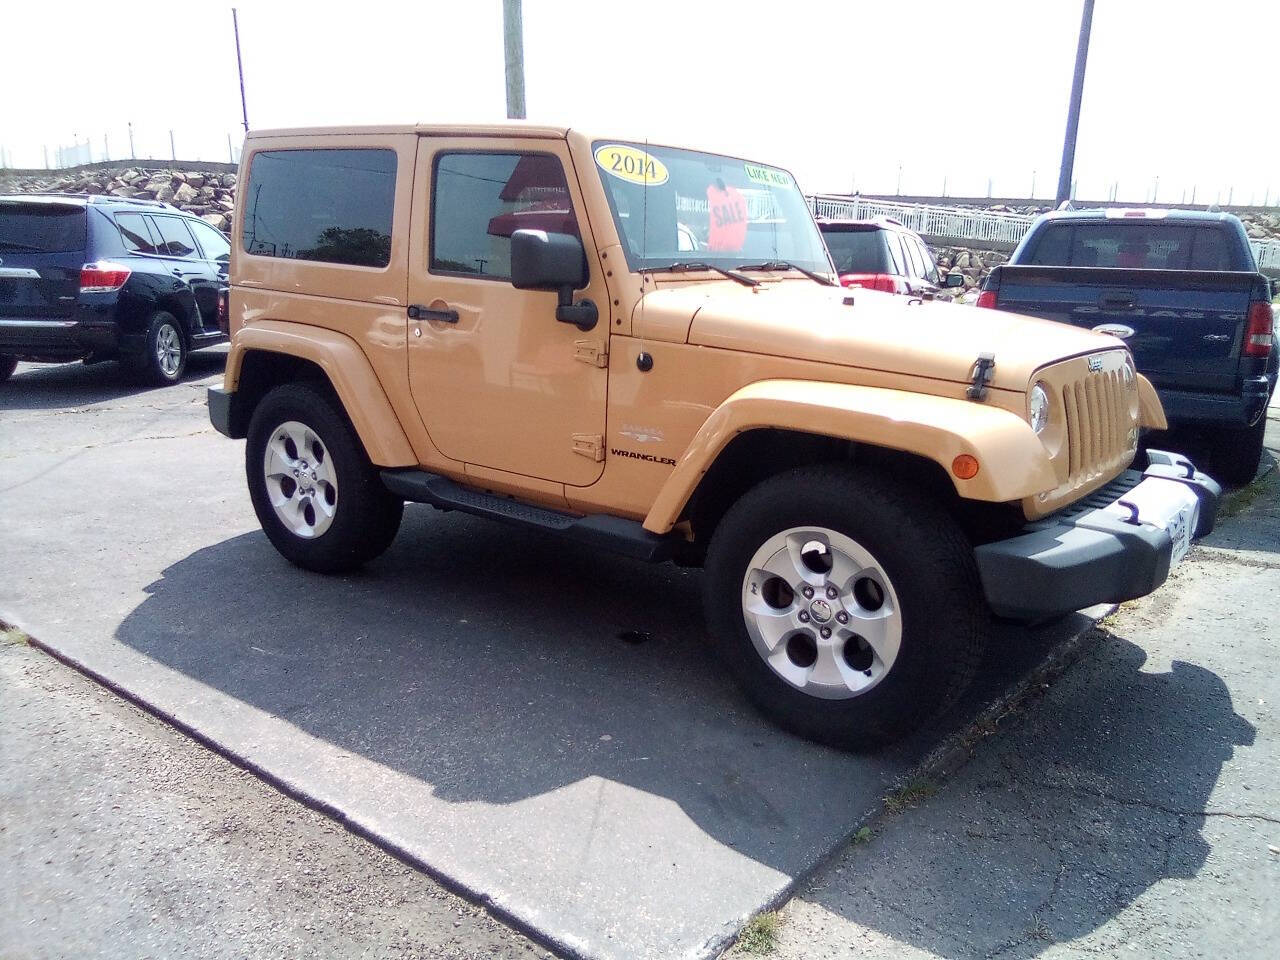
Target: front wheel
x=848 y=609
x=317 y=496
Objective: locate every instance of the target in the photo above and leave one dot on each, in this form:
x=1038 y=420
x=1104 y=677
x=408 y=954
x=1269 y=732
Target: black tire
x=1236 y=453
x=929 y=563
x=163 y=359
x=365 y=516
x=7 y=366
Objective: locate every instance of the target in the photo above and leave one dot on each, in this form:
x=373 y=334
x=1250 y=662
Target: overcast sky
x=842 y=93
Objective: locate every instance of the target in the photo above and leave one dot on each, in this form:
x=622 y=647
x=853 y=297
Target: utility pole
x=244 y=110
x=1073 y=110
x=513 y=50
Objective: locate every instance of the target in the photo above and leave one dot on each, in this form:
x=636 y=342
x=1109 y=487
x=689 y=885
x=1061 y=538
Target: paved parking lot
x=468 y=701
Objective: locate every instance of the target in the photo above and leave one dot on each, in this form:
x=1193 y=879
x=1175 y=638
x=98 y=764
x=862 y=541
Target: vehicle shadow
x=50 y=386
x=1081 y=809
x=495 y=665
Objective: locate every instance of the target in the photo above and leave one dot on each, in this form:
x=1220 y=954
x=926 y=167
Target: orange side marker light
x=965 y=466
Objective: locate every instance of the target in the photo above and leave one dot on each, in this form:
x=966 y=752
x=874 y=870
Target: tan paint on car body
x=788 y=354
x=934 y=427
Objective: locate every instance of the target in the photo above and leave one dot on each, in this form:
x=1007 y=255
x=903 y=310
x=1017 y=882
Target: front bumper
x=56 y=340
x=1085 y=554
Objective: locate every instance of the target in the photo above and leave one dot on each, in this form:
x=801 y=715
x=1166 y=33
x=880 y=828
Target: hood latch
x=984 y=370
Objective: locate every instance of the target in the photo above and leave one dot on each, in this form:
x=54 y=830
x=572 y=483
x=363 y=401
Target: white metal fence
x=966 y=225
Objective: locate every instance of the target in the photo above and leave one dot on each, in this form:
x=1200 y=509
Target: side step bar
x=602 y=531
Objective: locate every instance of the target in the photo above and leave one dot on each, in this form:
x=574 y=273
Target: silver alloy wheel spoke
x=853 y=603
x=301 y=481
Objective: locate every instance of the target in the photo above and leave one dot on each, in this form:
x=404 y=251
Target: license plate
x=1166 y=504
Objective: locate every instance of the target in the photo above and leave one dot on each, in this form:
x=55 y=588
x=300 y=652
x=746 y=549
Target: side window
x=930 y=272
x=916 y=268
x=175 y=238
x=897 y=258
x=214 y=244
x=329 y=205
x=135 y=233
x=479 y=199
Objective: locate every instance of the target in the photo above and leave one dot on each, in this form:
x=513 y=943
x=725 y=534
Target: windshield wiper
x=686 y=266
x=785 y=265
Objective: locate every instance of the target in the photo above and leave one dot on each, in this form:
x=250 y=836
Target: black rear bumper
x=1190 y=407
x=57 y=339
x=220 y=412
x=1081 y=556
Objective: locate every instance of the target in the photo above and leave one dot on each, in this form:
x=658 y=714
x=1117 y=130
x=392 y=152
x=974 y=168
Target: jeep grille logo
x=1095 y=364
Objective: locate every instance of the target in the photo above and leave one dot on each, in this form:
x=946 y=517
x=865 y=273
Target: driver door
x=497 y=380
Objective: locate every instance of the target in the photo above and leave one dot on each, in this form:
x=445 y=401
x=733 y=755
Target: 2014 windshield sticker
x=767 y=175
x=631 y=164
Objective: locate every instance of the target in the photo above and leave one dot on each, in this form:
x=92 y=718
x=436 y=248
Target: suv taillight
x=103 y=277
x=884 y=282
x=224 y=311
x=987 y=298
x=1258 y=330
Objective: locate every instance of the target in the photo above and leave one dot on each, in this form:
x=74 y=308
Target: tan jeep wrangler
x=641 y=347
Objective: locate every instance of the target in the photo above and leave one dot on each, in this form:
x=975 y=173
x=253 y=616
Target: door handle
x=419 y=312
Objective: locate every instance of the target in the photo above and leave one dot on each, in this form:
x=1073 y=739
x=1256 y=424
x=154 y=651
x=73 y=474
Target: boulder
x=218 y=221
x=196 y=180
x=127 y=192
x=229 y=180
x=206 y=193
x=164 y=194
x=185 y=194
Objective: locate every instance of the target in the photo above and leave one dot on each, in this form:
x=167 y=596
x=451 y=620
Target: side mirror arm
x=583 y=314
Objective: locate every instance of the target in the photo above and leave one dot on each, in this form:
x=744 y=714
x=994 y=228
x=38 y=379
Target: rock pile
x=973 y=264
x=207 y=194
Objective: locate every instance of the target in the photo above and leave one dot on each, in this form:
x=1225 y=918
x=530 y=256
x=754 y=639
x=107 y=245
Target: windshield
x=675 y=205
x=41 y=228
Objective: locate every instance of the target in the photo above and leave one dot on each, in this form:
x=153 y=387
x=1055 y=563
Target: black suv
x=882 y=254
x=100 y=278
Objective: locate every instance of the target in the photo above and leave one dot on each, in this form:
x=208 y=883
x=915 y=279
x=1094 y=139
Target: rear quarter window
x=332 y=206
x=41 y=228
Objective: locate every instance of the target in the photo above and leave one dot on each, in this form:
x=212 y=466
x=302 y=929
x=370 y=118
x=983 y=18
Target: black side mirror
x=954 y=279
x=553 y=261
x=1275 y=289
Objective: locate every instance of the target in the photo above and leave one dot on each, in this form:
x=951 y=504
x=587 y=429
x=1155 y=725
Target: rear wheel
x=7 y=366
x=319 y=499
x=164 y=351
x=849 y=610
x=1236 y=453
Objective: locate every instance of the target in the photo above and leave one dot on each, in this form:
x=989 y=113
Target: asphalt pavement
x=475 y=701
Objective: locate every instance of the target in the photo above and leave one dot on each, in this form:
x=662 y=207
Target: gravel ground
x=120 y=837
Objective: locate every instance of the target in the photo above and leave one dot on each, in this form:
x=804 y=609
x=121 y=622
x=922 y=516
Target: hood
x=861 y=328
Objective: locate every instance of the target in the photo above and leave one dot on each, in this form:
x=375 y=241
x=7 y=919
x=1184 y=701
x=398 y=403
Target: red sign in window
x=728 y=212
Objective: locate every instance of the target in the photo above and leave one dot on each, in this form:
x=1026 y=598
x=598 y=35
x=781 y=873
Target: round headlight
x=1039 y=404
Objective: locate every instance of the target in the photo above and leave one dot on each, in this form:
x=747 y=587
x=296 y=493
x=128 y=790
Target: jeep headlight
x=1038 y=404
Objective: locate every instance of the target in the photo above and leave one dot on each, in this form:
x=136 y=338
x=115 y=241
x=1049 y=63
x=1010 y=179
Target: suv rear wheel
x=849 y=610
x=319 y=499
x=164 y=351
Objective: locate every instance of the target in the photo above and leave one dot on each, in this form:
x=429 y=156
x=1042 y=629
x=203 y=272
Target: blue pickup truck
x=1183 y=291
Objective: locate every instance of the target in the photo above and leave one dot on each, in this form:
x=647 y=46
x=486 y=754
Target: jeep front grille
x=1097 y=425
